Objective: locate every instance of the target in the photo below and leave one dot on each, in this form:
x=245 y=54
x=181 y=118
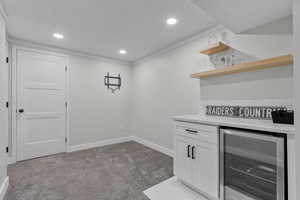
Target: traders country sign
x=249 y=112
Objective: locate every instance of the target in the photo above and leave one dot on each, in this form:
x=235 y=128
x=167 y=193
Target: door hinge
x=66 y=68
x=7 y=60
x=7 y=104
x=7 y=149
x=66 y=140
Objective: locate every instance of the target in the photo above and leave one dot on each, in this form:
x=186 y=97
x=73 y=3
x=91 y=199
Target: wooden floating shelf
x=251 y=66
x=215 y=48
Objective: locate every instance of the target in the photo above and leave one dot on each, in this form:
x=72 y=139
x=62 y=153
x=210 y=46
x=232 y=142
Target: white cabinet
x=196 y=161
x=183 y=166
x=206 y=169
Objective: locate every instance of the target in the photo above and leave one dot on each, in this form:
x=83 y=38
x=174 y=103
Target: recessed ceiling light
x=122 y=51
x=58 y=35
x=172 y=21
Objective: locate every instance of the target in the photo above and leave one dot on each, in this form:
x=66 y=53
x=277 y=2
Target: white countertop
x=261 y=125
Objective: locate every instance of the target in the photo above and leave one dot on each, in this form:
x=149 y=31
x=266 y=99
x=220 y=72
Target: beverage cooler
x=253 y=165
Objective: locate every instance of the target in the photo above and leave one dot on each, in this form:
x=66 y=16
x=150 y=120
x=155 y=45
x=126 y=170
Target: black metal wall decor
x=113 y=83
x=248 y=112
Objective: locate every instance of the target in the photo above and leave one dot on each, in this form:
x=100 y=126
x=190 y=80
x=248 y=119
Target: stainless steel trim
x=250 y=134
x=280 y=170
x=221 y=169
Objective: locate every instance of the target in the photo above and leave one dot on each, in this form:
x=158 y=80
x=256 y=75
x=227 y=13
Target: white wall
x=96 y=113
x=162 y=87
x=296 y=88
x=3 y=99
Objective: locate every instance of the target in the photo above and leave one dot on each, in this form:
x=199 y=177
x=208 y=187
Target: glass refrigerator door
x=252 y=166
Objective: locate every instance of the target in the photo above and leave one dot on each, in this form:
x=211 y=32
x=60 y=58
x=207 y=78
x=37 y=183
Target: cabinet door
x=182 y=163
x=206 y=168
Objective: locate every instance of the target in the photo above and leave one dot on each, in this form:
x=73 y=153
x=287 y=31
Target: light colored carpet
x=114 y=172
x=172 y=189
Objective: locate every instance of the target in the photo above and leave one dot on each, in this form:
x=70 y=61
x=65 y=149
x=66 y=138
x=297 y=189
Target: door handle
x=21 y=110
x=191 y=131
x=193 y=152
x=188 y=151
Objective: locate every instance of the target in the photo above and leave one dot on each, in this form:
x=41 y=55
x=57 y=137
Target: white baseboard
x=80 y=147
x=98 y=144
x=11 y=160
x=4 y=187
x=147 y=143
x=154 y=146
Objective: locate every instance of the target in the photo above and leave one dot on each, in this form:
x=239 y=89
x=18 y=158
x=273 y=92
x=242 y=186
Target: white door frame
x=14 y=50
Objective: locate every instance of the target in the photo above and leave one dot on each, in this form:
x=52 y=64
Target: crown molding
x=177 y=44
x=31 y=44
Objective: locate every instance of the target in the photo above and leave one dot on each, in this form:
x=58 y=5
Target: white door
x=206 y=168
x=182 y=161
x=41 y=108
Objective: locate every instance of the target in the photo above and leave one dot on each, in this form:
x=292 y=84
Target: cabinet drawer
x=198 y=131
